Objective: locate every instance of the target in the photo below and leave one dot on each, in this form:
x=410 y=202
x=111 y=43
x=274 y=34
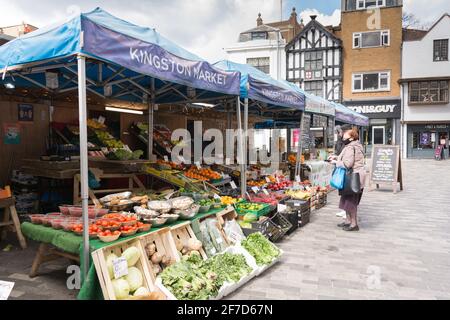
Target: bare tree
x=410 y=21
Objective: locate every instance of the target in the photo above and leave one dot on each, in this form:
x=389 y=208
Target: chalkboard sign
x=386 y=166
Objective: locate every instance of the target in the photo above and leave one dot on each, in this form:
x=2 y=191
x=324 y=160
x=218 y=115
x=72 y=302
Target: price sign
x=197 y=164
x=268 y=180
x=278 y=179
x=281 y=208
x=166 y=158
x=181 y=159
x=120 y=267
x=255 y=189
x=101 y=120
x=297 y=179
x=265 y=192
x=233 y=185
x=5 y=289
x=216 y=196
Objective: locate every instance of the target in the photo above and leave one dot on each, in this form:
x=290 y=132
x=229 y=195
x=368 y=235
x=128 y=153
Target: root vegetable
x=156 y=269
x=194 y=244
x=165 y=260
x=151 y=249
x=156 y=258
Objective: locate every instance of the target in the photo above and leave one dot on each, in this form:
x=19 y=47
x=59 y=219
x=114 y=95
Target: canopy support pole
x=151 y=108
x=82 y=109
x=246 y=140
x=240 y=151
x=298 y=162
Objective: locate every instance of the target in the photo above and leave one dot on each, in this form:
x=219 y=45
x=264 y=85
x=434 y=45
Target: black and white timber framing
x=316 y=41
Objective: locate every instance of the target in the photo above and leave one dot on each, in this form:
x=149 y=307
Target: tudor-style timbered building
x=314 y=61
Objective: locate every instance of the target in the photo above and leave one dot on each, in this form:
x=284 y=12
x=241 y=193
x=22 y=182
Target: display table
x=69 y=245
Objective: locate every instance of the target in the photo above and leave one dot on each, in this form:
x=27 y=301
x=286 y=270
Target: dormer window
x=368 y=4
x=259 y=35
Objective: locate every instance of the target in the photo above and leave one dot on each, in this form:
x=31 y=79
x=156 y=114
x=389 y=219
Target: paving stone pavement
x=401 y=252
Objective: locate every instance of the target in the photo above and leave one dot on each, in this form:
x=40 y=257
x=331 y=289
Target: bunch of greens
x=228 y=267
x=187 y=279
x=195 y=279
x=205 y=202
x=260 y=248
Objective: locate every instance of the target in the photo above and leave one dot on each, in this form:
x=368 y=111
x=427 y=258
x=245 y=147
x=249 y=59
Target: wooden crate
x=228 y=214
x=99 y=258
x=184 y=232
x=164 y=243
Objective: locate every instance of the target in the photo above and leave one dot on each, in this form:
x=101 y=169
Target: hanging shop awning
x=258 y=86
x=359 y=119
x=126 y=56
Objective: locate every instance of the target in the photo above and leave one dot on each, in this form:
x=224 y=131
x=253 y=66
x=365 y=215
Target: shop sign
x=436 y=126
x=377 y=109
x=11 y=133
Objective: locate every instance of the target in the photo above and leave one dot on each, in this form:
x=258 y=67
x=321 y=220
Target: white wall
x=418 y=55
x=258 y=49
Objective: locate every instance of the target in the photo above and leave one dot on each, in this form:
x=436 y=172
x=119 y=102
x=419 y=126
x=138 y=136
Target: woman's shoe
x=343 y=225
x=350 y=228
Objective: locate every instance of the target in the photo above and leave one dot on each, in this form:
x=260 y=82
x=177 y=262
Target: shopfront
x=423 y=139
x=384 y=121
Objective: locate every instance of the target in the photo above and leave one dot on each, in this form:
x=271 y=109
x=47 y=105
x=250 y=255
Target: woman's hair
x=354 y=133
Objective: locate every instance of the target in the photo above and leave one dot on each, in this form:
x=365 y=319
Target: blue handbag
x=338 y=178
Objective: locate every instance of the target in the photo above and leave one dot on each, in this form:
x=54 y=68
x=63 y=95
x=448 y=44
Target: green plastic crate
x=262 y=212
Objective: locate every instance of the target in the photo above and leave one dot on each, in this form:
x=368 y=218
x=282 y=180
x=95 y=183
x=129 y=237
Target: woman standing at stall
x=351 y=157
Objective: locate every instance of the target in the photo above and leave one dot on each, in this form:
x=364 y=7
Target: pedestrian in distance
x=351 y=157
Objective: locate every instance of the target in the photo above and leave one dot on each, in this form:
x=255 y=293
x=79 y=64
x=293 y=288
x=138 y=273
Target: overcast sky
x=204 y=27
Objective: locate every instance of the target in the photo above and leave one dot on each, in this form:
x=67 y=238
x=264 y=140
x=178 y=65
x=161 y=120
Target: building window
x=440 y=50
x=373 y=81
x=428 y=92
x=313 y=65
x=371 y=39
x=259 y=35
x=366 y=4
x=314 y=87
x=262 y=64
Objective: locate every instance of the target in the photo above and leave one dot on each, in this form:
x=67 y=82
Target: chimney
x=293 y=18
x=259 y=21
x=313 y=17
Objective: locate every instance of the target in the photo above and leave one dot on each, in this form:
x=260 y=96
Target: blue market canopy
x=260 y=87
x=346 y=115
x=314 y=104
x=122 y=60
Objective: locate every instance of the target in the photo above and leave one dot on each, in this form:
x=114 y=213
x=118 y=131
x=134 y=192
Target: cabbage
x=134 y=278
x=132 y=255
x=109 y=264
x=121 y=288
x=142 y=291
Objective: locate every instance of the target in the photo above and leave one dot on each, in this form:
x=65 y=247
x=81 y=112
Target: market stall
x=133 y=63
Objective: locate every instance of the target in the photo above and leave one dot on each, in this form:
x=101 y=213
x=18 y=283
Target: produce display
x=197 y=279
x=157 y=260
x=298 y=194
x=248 y=206
x=124 y=154
x=226 y=200
x=203 y=174
x=260 y=248
x=133 y=283
x=95 y=124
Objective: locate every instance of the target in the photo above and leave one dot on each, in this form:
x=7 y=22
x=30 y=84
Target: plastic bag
x=206 y=240
x=338 y=178
x=181 y=203
x=160 y=206
x=216 y=236
x=233 y=231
